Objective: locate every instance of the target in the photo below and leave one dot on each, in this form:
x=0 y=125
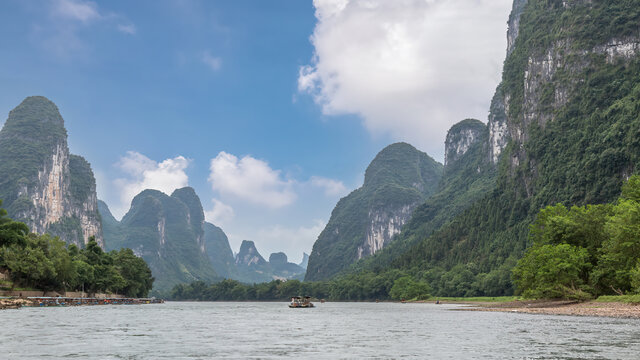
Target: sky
x=271 y=110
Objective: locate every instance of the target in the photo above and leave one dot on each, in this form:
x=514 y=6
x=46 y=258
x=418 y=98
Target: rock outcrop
x=398 y=180
x=41 y=184
x=460 y=138
x=248 y=256
x=168 y=232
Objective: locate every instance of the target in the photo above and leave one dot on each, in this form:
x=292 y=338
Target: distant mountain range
x=54 y=192
x=170 y=233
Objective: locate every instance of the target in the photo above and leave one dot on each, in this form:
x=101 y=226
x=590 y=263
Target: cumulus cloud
x=220 y=214
x=251 y=180
x=331 y=187
x=143 y=173
x=83 y=11
x=213 y=62
x=409 y=68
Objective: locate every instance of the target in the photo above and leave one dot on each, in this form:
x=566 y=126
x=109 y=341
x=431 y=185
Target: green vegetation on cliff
x=27 y=139
x=579 y=155
x=37 y=171
x=167 y=232
x=396 y=181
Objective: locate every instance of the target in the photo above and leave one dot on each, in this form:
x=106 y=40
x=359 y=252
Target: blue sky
x=271 y=110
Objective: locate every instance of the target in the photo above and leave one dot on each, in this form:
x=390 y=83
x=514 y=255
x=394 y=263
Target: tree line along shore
x=46 y=263
x=577 y=254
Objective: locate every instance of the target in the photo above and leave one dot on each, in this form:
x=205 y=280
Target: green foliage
x=46 y=263
x=580 y=156
x=173 y=254
x=407 y=288
x=620 y=252
x=553 y=271
x=608 y=235
x=33 y=133
x=82 y=183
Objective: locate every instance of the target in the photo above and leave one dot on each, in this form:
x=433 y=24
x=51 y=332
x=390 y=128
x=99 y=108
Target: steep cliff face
x=563 y=127
x=468 y=176
x=219 y=251
x=168 y=233
x=398 y=180
x=42 y=184
x=460 y=138
x=498 y=131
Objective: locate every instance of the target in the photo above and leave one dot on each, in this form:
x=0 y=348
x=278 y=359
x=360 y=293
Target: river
x=183 y=330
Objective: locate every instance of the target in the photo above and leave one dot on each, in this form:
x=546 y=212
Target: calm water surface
x=178 y=330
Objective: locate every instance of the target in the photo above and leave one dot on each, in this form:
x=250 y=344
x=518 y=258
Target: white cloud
x=61 y=32
x=83 y=11
x=409 y=68
x=251 y=180
x=127 y=29
x=331 y=187
x=143 y=173
x=213 y=62
x=220 y=214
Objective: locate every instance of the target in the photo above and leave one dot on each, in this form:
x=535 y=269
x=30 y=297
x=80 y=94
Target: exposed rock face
x=498 y=131
x=460 y=138
x=514 y=24
x=249 y=256
x=396 y=182
x=42 y=184
x=384 y=223
x=305 y=261
x=168 y=233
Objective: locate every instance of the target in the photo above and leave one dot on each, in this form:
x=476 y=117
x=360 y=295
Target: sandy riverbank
x=563 y=307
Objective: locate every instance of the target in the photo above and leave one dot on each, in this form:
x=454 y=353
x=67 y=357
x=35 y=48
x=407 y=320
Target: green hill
x=396 y=182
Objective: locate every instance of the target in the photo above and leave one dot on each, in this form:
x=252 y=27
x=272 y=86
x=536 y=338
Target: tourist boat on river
x=301 y=302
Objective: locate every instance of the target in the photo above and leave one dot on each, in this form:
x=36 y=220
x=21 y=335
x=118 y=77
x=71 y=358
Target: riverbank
x=616 y=309
x=16 y=303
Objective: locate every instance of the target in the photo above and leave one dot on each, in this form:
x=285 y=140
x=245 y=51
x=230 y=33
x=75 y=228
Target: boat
x=301 y=302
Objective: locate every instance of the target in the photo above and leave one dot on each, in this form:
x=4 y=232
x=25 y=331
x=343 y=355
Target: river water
x=182 y=330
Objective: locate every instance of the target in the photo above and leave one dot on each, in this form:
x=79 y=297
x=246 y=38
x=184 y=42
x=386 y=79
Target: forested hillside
x=364 y=222
x=563 y=127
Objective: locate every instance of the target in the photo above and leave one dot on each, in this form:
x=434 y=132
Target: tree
x=135 y=271
x=621 y=251
x=553 y=271
x=407 y=288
